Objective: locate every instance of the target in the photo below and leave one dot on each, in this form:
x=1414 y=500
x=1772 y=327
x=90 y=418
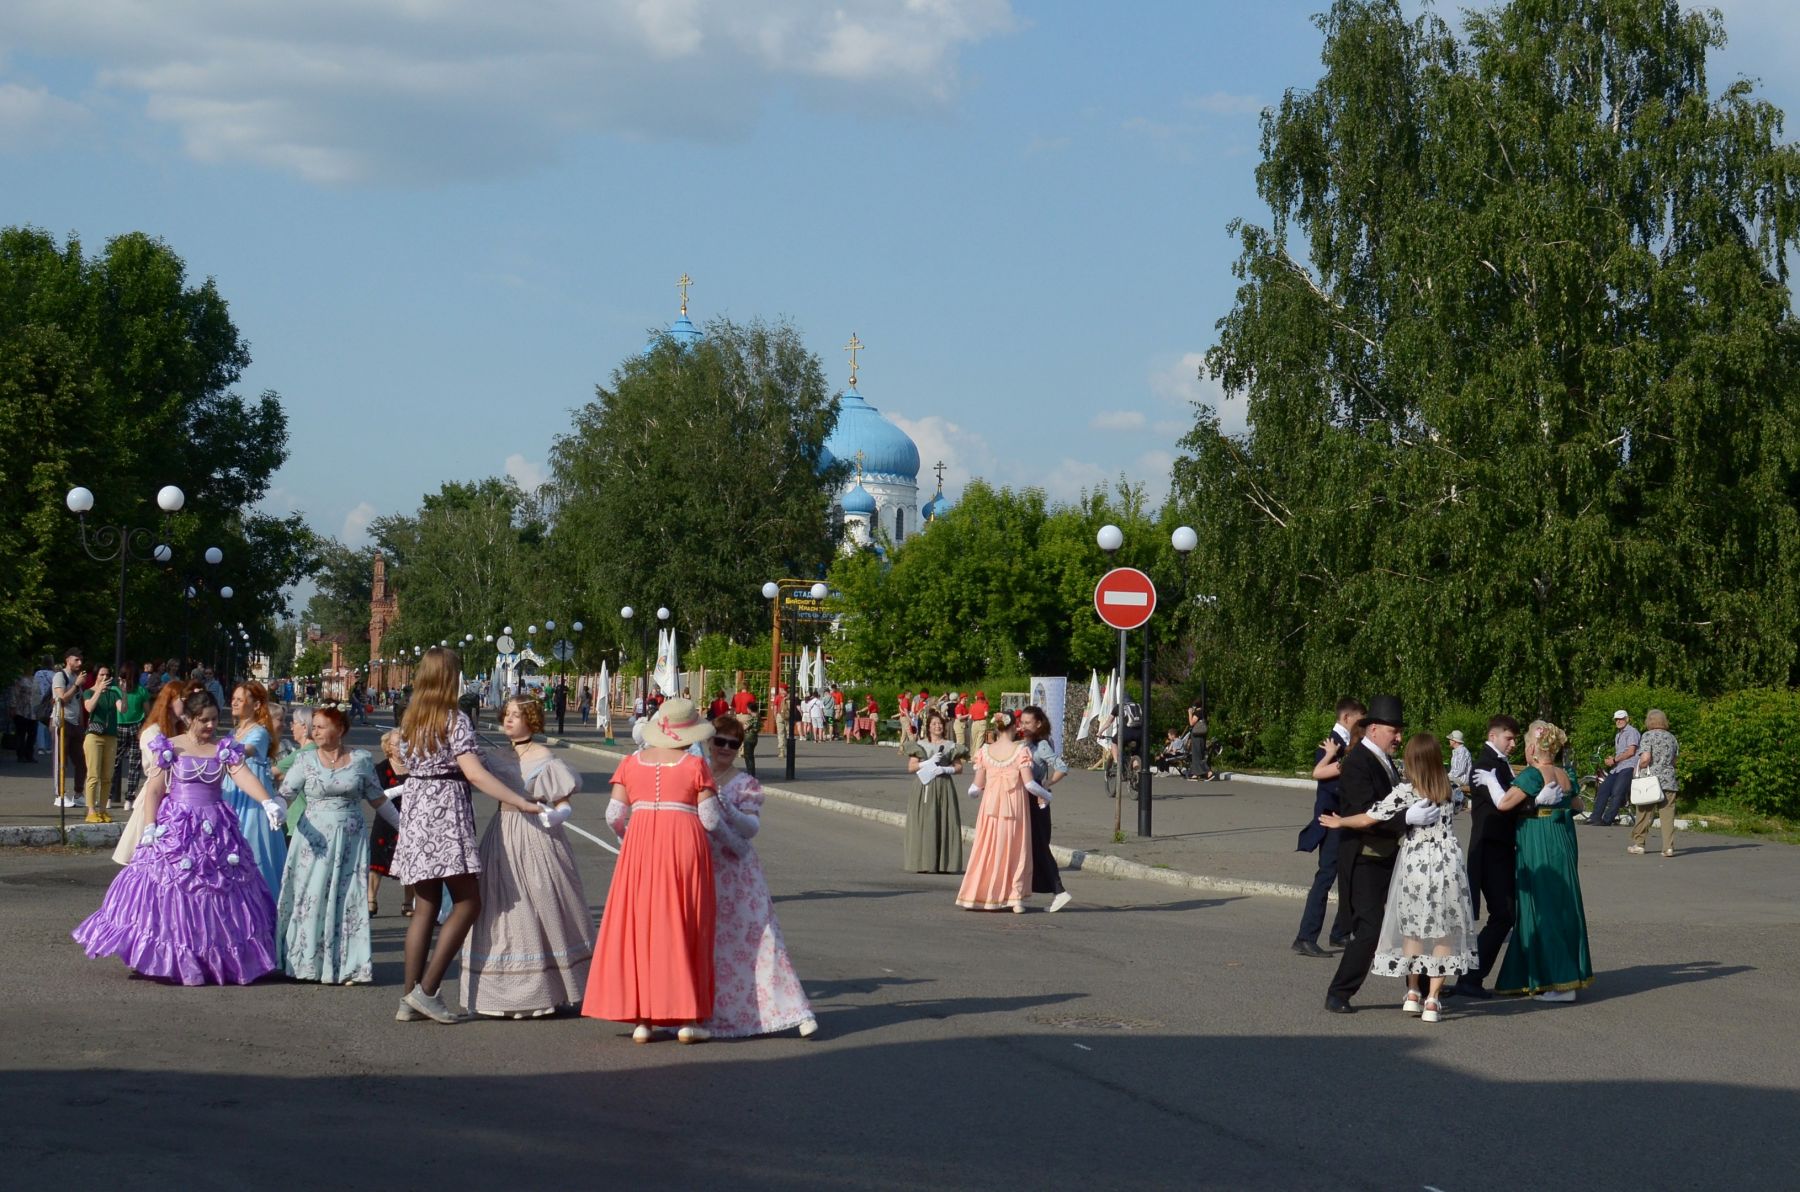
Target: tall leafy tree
x=116 y=374
x=697 y=475
x=1519 y=355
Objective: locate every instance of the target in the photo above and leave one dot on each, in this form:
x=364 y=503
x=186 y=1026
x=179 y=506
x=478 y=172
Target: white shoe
x=1060 y=901
x=693 y=1034
x=1018 y=908
x=642 y=1034
x=407 y=1014
x=431 y=1005
x=1557 y=995
x=1414 y=1003
x=809 y=1028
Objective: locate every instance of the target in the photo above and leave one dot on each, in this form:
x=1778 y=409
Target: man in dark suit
x=1368 y=774
x=1493 y=856
x=1328 y=761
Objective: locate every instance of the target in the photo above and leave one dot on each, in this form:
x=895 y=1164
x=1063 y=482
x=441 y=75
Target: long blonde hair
x=426 y=725
x=1425 y=767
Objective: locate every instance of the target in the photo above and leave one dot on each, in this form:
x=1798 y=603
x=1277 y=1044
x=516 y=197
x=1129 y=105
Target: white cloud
x=355 y=531
x=1184 y=381
x=963 y=452
x=527 y=474
x=1223 y=103
x=30 y=116
x=1118 y=420
x=419 y=91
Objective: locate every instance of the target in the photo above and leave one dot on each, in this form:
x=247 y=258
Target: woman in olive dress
x=934 y=840
x=1548 y=957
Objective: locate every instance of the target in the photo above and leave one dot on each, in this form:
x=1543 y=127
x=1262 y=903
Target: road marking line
x=1084 y=1047
x=590 y=836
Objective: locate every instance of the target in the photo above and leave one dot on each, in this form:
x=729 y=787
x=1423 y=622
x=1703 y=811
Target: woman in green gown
x=1548 y=956
x=934 y=841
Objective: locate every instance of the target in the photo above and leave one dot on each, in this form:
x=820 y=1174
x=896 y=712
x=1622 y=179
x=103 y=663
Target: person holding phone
x=100 y=745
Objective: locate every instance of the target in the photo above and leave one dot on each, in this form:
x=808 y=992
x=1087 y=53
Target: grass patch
x=1728 y=816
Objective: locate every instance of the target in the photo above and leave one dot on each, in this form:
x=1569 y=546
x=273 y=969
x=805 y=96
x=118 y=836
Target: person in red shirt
x=960 y=721
x=741 y=701
x=838 y=723
x=719 y=706
x=978 y=712
x=872 y=713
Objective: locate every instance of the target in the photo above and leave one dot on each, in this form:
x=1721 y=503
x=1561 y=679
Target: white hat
x=676 y=725
x=1621 y=714
x=1457 y=736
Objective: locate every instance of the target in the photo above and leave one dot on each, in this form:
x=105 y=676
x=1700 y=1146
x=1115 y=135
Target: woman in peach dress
x=999 y=874
x=653 y=962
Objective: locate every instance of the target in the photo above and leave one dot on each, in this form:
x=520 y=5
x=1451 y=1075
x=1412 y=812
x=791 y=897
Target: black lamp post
x=124 y=543
x=773 y=591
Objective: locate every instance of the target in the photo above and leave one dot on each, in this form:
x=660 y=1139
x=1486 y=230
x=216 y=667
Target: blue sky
x=441 y=222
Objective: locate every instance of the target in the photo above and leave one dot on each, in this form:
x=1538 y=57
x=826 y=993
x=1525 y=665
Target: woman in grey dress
x=1656 y=755
x=934 y=842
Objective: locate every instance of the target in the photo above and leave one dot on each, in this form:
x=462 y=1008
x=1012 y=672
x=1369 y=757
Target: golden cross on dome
x=859 y=454
x=853 y=347
x=682 y=284
x=940 y=474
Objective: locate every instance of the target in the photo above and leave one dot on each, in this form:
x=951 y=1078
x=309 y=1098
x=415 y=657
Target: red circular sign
x=1125 y=598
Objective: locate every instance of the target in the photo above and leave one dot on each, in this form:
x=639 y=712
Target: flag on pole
x=819 y=670
x=603 y=697
x=805 y=676
x=1090 y=715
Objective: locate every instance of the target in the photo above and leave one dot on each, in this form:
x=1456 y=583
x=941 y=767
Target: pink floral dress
x=756 y=991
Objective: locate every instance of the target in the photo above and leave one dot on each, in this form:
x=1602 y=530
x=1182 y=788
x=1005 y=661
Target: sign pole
x=1119 y=742
x=1143 y=828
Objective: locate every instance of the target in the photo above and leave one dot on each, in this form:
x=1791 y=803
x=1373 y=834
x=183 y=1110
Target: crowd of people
x=238 y=863
x=1408 y=897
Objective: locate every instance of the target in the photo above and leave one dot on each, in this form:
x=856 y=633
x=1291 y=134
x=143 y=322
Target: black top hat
x=1385 y=709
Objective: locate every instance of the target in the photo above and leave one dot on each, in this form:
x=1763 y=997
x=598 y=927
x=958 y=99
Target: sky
x=441 y=223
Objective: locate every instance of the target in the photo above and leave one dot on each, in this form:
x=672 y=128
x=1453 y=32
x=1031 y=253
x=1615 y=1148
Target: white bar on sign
x=1136 y=598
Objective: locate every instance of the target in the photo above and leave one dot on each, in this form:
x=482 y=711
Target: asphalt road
x=1144 y=1037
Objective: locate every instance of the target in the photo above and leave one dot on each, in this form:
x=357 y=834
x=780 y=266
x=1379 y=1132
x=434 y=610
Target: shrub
x=1745 y=747
x=1304 y=732
x=1590 y=729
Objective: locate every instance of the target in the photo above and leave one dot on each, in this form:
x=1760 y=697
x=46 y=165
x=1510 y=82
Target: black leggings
x=1046 y=878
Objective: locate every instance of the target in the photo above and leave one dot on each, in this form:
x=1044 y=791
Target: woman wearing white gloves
x=934 y=842
x=999 y=876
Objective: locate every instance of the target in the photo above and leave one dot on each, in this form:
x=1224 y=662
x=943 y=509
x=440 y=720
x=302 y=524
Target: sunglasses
x=726 y=743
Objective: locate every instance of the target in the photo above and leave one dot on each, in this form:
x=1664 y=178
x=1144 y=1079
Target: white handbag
x=1646 y=791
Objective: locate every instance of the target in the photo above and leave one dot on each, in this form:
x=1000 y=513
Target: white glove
x=562 y=813
x=276 y=810
x=1549 y=797
x=927 y=771
x=1041 y=791
x=1423 y=814
x=386 y=812
x=974 y=791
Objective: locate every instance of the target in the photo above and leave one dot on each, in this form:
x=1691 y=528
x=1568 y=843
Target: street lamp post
x=625 y=615
x=124 y=543
x=773 y=592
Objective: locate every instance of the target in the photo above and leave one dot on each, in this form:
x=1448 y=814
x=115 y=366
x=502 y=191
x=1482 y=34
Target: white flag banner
x=603 y=697
x=1090 y=712
x=805 y=676
x=673 y=684
x=819 y=671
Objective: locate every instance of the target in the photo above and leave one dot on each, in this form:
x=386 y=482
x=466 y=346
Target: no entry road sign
x=1125 y=598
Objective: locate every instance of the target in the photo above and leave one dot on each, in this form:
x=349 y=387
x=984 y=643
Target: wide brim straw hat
x=676 y=725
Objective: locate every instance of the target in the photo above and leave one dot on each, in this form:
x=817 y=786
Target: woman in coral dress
x=191 y=907
x=999 y=873
x=756 y=991
x=653 y=963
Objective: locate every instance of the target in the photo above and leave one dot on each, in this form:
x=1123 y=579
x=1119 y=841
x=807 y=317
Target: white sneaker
x=809 y=1028
x=692 y=1034
x=1557 y=995
x=431 y=1005
x=1060 y=901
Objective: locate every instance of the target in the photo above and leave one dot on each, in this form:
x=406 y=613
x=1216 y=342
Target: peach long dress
x=999 y=873
x=653 y=961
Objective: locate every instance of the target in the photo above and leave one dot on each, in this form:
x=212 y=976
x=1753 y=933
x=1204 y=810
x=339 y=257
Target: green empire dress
x=1549 y=949
x=934 y=839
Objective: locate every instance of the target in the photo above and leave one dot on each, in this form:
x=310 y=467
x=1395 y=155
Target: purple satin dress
x=191 y=907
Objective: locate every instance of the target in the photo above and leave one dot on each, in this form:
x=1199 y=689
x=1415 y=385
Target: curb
x=1298 y=784
x=82 y=835
x=1077 y=859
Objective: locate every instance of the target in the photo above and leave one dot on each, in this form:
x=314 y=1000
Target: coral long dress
x=999 y=874
x=653 y=961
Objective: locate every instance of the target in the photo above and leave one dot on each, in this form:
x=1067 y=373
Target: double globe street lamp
x=125 y=543
x=773 y=592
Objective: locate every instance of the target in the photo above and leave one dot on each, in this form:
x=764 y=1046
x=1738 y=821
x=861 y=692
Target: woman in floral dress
x=1428 y=928
x=438 y=855
x=756 y=991
x=999 y=874
x=322 y=920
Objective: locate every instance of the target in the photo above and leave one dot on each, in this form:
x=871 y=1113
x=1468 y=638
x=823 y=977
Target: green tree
x=115 y=374
x=694 y=478
x=1519 y=362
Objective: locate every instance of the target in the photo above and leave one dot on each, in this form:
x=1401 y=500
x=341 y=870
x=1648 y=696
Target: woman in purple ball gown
x=191 y=907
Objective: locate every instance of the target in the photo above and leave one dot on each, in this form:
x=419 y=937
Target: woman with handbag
x=1655 y=765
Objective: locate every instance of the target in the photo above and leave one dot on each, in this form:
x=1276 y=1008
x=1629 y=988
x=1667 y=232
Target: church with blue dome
x=883 y=486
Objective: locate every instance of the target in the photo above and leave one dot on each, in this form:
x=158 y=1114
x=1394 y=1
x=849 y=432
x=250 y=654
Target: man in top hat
x=1368 y=774
x=1493 y=854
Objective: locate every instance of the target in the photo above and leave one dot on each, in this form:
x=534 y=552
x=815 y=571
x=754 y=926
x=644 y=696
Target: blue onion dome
x=858 y=500
x=683 y=331
x=936 y=507
x=888 y=453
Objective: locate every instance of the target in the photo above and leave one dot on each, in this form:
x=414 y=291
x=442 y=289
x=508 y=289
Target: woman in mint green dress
x=322 y=920
x=1548 y=956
